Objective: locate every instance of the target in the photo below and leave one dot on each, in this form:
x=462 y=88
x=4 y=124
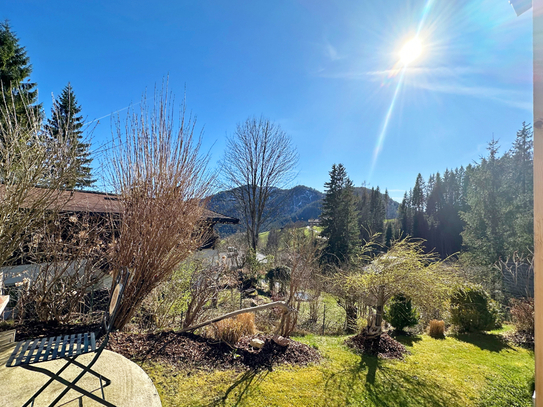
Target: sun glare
x=410 y=51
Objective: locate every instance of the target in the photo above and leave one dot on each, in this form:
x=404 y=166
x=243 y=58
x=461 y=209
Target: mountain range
x=298 y=204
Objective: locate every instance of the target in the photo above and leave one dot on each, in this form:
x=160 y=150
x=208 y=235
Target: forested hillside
x=485 y=209
x=298 y=204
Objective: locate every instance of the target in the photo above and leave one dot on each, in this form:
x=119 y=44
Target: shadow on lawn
x=407 y=340
x=241 y=387
x=490 y=342
x=371 y=381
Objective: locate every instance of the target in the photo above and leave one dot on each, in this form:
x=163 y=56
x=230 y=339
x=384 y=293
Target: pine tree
x=485 y=231
x=405 y=215
x=417 y=197
x=15 y=70
x=66 y=124
x=389 y=234
x=519 y=185
x=339 y=218
x=378 y=211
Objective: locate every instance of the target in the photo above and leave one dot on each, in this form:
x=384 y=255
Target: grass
x=468 y=370
x=263 y=236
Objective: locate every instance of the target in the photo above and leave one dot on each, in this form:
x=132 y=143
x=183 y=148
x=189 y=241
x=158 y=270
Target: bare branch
x=259 y=159
x=162 y=180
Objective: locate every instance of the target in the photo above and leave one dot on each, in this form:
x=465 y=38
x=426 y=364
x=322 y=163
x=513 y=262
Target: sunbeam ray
x=398 y=68
x=381 y=138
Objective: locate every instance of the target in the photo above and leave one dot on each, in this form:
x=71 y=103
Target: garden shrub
x=400 y=313
x=279 y=274
x=232 y=329
x=522 y=314
x=472 y=310
x=436 y=329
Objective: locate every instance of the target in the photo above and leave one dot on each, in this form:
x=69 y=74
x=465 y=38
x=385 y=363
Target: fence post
x=323 y=318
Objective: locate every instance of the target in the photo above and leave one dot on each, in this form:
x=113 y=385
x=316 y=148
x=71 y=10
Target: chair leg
x=69 y=385
x=102 y=388
x=47 y=383
x=85 y=369
x=93 y=372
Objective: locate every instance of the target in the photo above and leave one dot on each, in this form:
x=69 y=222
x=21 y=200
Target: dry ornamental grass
x=436 y=329
x=232 y=329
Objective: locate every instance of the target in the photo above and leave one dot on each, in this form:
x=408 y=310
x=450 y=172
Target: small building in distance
x=314 y=222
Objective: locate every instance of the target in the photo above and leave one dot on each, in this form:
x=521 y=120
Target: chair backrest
x=116 y=298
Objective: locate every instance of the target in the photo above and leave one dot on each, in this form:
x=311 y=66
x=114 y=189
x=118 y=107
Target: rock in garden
x=280 y=340
x=257 y=343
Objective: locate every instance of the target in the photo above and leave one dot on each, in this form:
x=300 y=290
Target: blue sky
x=325 y=71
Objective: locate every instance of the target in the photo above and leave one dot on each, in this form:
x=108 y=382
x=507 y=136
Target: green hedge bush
x=472 y=310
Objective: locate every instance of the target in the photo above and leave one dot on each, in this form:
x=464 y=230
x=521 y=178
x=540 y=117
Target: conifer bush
x=400 y=313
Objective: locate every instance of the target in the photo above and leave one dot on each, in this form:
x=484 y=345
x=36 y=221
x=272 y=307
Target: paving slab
x=130 y=386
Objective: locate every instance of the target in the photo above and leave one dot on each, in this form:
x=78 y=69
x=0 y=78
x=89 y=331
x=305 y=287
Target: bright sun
x=410 y=51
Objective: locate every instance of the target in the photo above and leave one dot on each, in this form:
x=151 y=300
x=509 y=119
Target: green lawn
x=263 y=237
x=470 y=370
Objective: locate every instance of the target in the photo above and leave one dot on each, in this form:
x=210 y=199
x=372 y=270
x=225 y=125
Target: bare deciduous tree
x=161 y=180
x=33 y=172
x=259 y=158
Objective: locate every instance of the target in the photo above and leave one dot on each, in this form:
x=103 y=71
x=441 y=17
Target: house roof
x=99 y=202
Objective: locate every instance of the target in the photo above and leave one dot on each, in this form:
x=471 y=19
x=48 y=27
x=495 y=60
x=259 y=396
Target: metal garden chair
x=33 y=351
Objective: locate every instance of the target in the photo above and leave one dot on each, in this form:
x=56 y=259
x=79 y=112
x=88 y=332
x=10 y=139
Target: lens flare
x=410 y=51
x=382 y=135
x=408 y=54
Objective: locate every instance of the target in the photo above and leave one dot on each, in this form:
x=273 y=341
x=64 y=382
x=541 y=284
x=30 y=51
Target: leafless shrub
x=166 y=304
x=517 y=273
x=522 y=313
x=206 y=281
x=34 y=168
x=161 y=180
x=70 y=253
x=301 y=255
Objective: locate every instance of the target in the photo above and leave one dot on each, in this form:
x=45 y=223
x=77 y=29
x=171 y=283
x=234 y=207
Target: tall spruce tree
x=339 y=218
x=15 y=70
x=66 y=124
x=519 y=185
x=405 y=215
x=485 y=231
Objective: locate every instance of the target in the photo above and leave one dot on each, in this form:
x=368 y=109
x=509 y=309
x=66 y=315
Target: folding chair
x=28 y=353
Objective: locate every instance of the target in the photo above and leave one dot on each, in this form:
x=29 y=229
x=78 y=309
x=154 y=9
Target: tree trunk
x=373 y=328
x=352 y=317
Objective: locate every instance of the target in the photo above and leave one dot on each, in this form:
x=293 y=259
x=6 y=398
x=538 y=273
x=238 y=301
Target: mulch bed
x=189 y=351
x=523 y=339
x=46 y=330
x=383 y=346
x=186 y=350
